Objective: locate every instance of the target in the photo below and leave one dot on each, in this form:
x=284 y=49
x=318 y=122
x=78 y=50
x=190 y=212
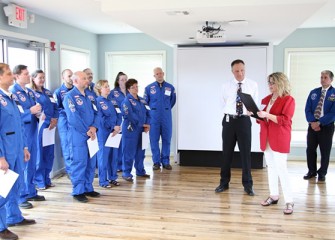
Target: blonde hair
x=98 y=86
x=282 y=83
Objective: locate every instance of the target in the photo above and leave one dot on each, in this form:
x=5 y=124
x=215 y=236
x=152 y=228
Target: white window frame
x=299 y=136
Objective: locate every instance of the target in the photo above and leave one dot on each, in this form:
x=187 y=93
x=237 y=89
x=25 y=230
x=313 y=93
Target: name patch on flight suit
x=132 y=102
x=103 y=106
x=153 y=90
x=79 y=101
x=37 y=95
x=125 y=109
x=167 y=91
x=116 y=94
x=313 y=96
x=331 y=97
x=3 y=101
x=71 y=106
x=22 y=97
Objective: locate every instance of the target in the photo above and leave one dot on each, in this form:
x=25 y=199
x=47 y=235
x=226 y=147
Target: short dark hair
x=330 y=74
x=19 y=68
x=116 y=83
x=237 y=61
x=130 y=83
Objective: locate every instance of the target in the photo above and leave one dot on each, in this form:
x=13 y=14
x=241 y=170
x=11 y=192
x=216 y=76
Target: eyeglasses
x=271 y=83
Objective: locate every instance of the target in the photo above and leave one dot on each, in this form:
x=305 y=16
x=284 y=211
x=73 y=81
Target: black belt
x=236 y=116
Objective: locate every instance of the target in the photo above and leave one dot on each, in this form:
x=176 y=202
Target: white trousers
x=277 y=169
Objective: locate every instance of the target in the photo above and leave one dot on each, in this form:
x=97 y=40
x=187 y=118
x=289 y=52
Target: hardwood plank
x=181 y=204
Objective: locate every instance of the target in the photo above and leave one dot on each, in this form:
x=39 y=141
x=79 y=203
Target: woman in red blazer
x=275 y=137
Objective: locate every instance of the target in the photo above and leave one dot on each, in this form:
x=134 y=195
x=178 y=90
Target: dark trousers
x=236 y=130
x=323 y=139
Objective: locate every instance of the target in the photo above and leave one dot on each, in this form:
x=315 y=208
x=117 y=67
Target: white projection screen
x=200 y=74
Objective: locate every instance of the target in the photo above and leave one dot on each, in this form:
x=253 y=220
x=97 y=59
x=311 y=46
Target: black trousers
x=236 y=130
x=323 y=139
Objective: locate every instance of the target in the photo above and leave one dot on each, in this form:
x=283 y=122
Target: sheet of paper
x=113 y=142
x=48 y=137
x=7 y=181
x=40 y=121
x=93 y=146
x=145 y=140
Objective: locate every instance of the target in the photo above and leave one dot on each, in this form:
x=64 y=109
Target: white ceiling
x=268 y=21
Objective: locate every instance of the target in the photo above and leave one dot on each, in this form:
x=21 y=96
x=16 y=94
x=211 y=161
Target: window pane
x=138 y=65
x=26 y=57
x=74 y=59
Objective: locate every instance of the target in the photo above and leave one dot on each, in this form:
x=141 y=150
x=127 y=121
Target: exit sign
x=18 y=18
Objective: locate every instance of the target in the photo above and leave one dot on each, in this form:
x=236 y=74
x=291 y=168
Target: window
x=303 y=68
x=75 y=59
x=138 y=65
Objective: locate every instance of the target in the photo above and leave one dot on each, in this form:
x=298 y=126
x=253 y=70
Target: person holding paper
x=161 y=97
x=136 y=120
x=13 y=152
x=83 y=122
x=62 y=124
x=119 y=93
x=110 y=120
x=275 y=138
x=320 y=115
x=236 y=127
x=48 y=120
x=30 y=111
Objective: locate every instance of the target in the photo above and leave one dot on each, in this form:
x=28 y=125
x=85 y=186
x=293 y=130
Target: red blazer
x=278 y=134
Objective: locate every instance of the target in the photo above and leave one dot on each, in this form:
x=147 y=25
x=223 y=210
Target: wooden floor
x=181 y=204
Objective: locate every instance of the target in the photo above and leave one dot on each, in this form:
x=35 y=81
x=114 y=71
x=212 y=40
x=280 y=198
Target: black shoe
x=221 y=188
x=167 y=167
x=156 y=166
x=249 y=191
x=81 y=198
x=24 y=222
x=144 y=176
x=26 y=205
x=6 y=234
x=321 y=178
x=309 y=175
x=92 y=194
x=37 y=198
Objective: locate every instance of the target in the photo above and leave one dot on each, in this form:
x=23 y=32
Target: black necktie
x=239 y=105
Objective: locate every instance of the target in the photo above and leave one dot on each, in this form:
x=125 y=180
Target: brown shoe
x=22 y=223
x=8 y=235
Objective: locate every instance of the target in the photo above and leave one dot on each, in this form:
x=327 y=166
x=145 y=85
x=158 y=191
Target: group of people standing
x=81 y=110
x=275 y=121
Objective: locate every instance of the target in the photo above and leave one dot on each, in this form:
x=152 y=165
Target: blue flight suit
x=12 y=142
x=80 y=115
x=26 y=100
x=45 y=155
x=63 y=128
x=135 y=114
x=324 y=137
x=117 y=94
x=161 y=100
x=108 y=118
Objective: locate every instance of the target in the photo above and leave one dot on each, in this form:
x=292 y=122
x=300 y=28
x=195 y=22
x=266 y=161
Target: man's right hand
x=3 y=164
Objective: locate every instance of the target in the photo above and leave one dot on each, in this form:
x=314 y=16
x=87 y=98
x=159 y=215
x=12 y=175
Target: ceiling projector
x=211 y=34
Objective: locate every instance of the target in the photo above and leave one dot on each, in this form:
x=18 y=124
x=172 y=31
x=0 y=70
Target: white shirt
x=229 y=90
